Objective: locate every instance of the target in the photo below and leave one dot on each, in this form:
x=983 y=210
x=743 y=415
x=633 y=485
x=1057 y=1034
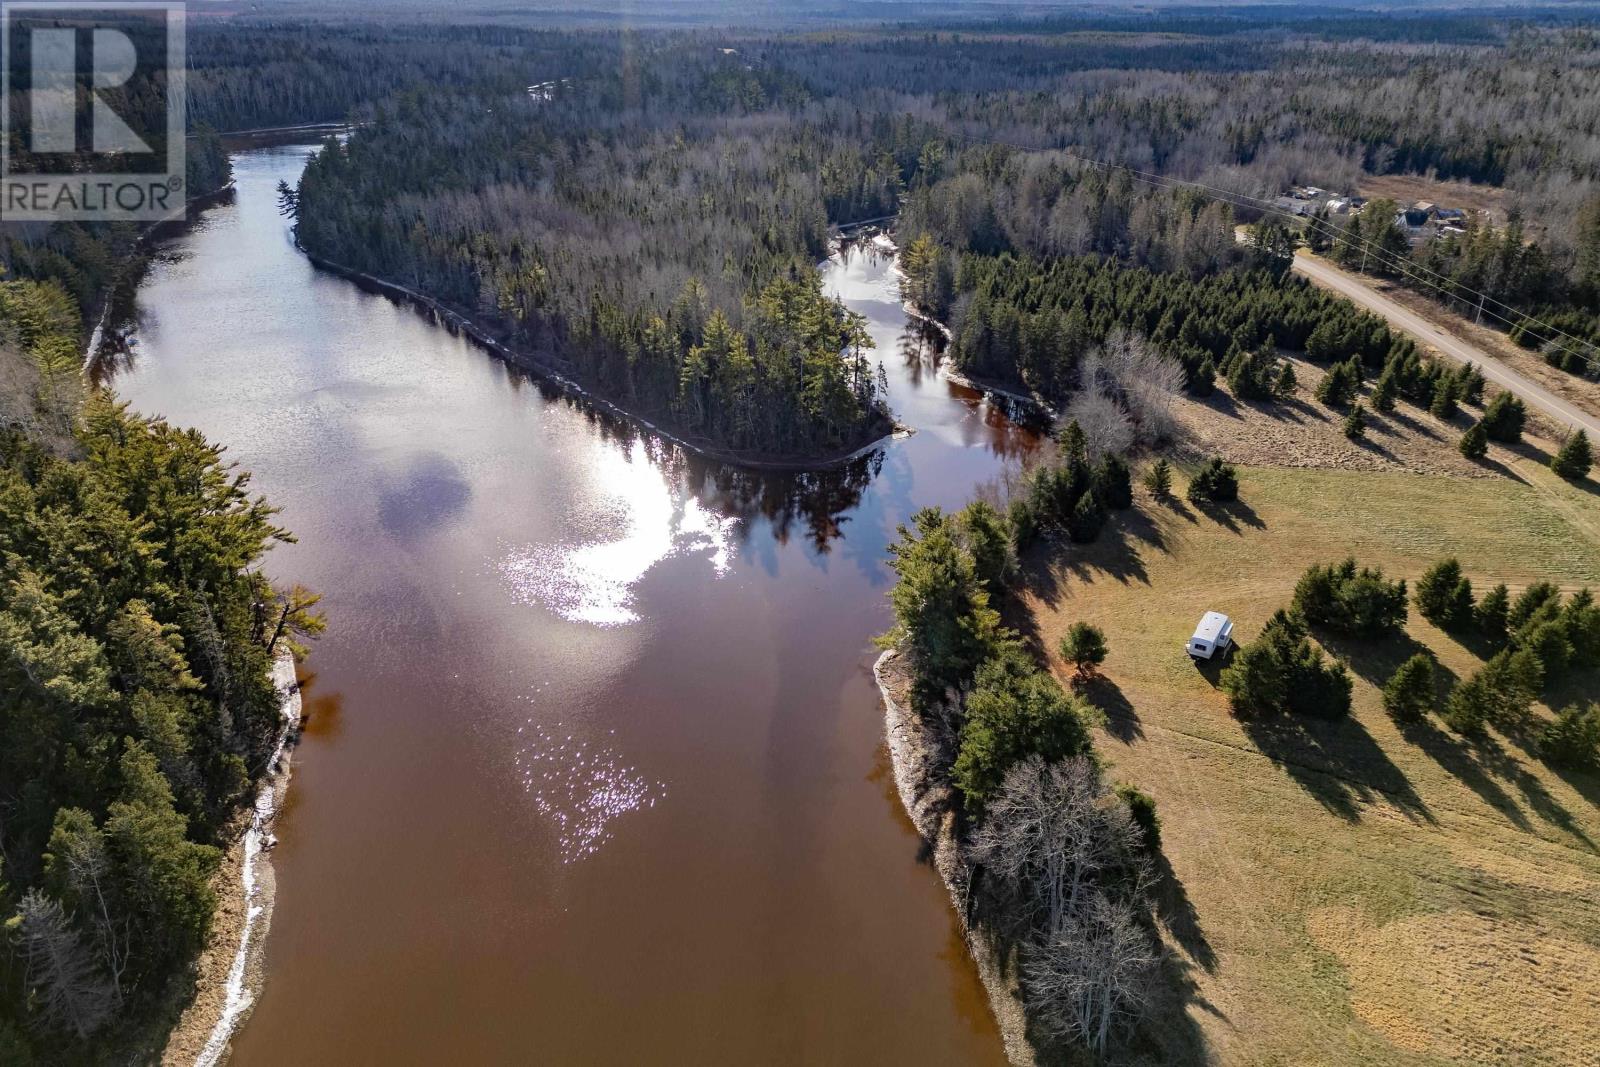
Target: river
x=594 y=769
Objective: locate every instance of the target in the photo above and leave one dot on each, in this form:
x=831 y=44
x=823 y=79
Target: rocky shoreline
x=921 y=764
x=229 y=970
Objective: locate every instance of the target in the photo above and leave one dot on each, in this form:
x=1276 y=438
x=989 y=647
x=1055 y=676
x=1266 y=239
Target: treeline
x=137 y=710
x=85 y=259
x=1063 y=858
x=1500 y=276
x=669 y=266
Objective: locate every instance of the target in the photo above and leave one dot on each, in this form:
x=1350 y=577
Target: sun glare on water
x=594 y=581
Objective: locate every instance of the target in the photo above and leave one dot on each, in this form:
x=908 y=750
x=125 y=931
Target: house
x=1450 y=215
x=1420 y=213
x=1291 y=205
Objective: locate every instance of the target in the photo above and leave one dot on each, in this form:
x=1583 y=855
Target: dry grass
x=1490 y=199
x=1350 y=892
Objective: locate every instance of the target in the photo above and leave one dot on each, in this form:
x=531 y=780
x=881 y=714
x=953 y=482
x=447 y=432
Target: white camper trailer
x=1212 y=638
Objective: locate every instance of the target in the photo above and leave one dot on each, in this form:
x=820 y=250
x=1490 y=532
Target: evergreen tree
x=1285 y=384
x=1574 y=459
x=1158 y=479
x=1088 y=518
x=1384 y=393
x=1355 y=423
x=1444 y=595
x=1113 y=483
x=1337 y=387
x=1475 y=442
x=1491 y=613
x=1443 y=407
x=1216 y=482
x=1408 y=694
x=1573 y=739
x=1084 y=647
x=1504 y=418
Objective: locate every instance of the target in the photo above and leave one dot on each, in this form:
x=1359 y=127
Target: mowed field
x=1350 y=892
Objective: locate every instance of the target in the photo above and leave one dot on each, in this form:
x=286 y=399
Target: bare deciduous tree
x=1093 y=976
x=71 y=992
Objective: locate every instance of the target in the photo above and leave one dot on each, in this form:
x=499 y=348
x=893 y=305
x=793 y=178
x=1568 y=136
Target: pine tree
x=1408 y=694
x=1504 y=418
x=1337 y=386
x=1443 y=407
x=1158 y=479
x=1355 y=423
x=1574 y=459
x=1084 y=647
x=1284 y=386
x=1491 y=613
x=1475 y=442
x=1384 y=392
x=1444 y=595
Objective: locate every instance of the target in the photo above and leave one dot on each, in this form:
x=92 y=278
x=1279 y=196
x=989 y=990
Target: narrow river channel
x=593 y=771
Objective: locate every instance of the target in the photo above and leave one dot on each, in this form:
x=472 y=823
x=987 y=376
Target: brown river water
x=594 y=768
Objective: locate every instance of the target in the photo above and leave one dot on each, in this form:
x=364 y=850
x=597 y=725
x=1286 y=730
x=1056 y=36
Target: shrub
x=1341 y=598
x=1475 y=442
x=1014 y=711
x=1084 y=647
x=1444 y=595
x=1142 y=806
x=1216 y=482
x=1408 y=694
x=1574 y=459
x=1573 y=739
x=1504 y=419
x=1491 y=613
x=1158 y=479
x=1355 y=423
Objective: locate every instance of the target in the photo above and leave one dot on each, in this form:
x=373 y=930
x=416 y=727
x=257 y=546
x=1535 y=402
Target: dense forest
x=599 y=194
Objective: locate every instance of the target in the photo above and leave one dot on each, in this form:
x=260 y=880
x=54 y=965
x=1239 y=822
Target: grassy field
x=1350 y=892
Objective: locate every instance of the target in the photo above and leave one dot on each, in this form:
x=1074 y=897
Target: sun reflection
x=594 y=581
x=582 y=788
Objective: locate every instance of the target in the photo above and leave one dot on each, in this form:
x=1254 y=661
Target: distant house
x=1450 y=215
x=1292 y=205
x=1419 y=214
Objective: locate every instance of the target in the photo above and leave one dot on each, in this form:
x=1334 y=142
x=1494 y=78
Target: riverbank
x=458 y=322
x=229 y=972
x=921 y=761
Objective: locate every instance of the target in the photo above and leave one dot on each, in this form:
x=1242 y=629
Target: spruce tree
x=1355 y=423
x=1444 y=595
x=1475 y=442
x=1158 y=479
x=1490 y=614
x=1384 y=392
x=1286 y=383
x=1408 y=694
x=1574 y=459
x=1443 y=407
x=1504 y=418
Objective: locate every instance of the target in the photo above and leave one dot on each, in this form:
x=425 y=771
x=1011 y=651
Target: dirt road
x=1400 y=317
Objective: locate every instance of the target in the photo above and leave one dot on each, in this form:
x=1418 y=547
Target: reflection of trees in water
x=815 y=502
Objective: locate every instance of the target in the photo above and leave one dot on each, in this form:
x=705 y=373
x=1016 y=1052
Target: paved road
x=1401 y=317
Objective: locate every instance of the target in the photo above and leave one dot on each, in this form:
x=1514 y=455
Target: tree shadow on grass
x=1232 y=516
x=1178 y=912
x=1122 y=721
x=1336 y=761
x=1373 y=659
